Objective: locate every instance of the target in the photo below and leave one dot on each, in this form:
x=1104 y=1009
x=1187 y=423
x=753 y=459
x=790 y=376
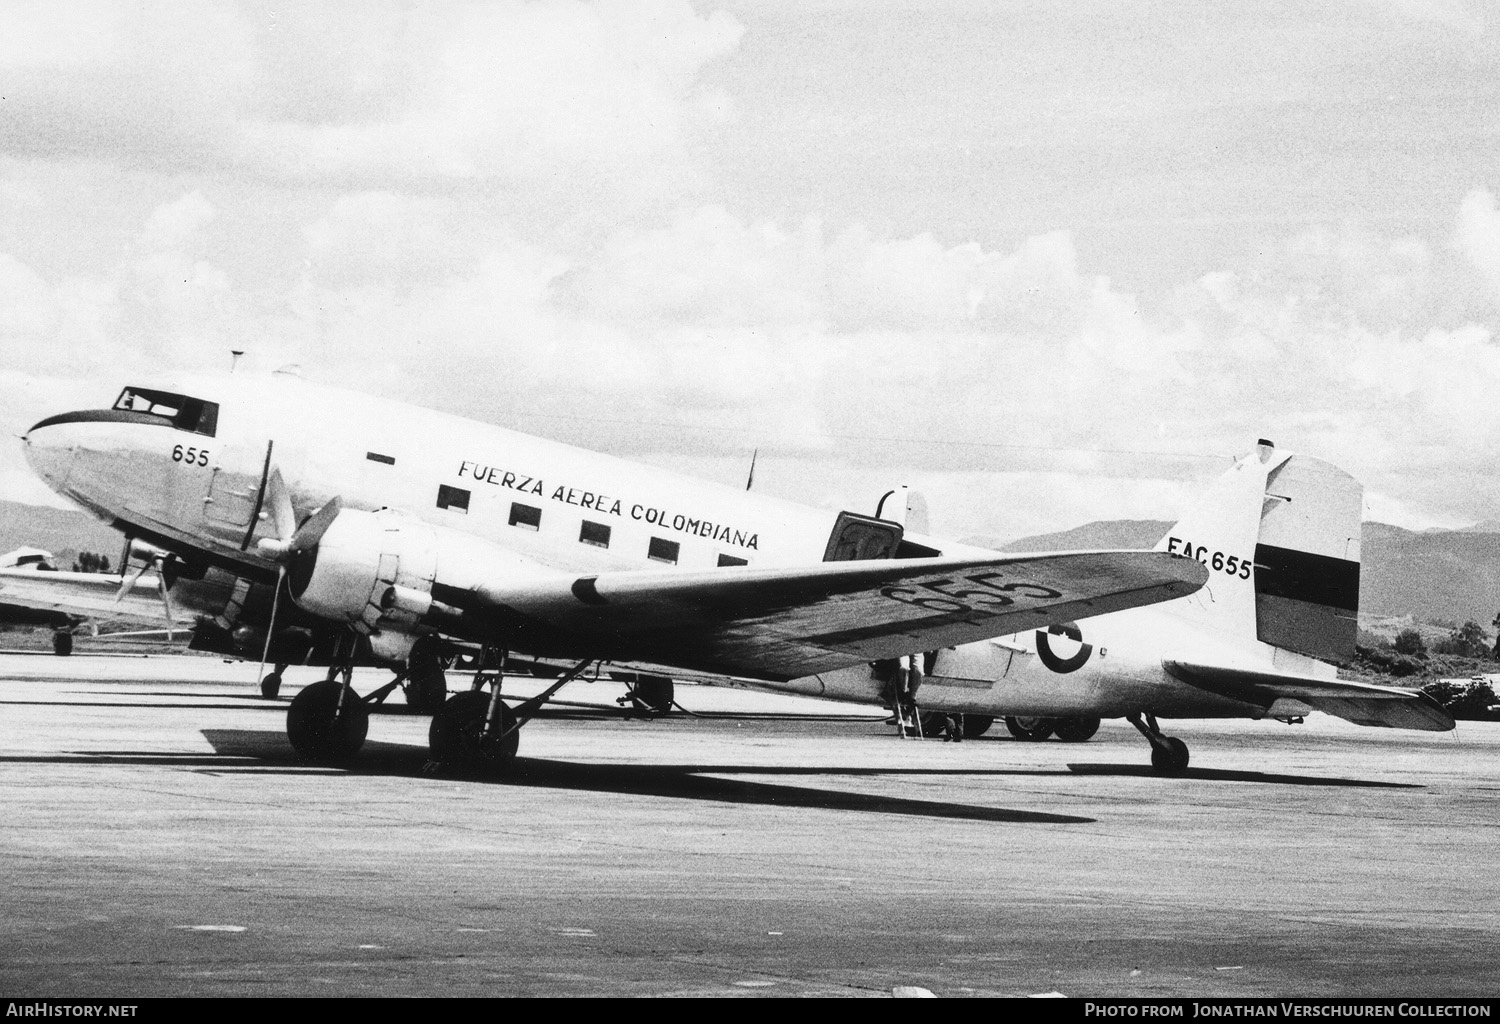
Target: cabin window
x=663 y=550
x=731 y=560
x=596 y=534
x=455 y=498
x=181 y=411
x=386 y=460
x=526 y=517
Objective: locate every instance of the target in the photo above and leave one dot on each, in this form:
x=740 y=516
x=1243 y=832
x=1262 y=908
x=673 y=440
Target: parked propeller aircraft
x=1279 y=534
x=391 y=527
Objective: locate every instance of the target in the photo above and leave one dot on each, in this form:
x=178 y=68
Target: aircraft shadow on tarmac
x=681 y=781
x=1226 y=775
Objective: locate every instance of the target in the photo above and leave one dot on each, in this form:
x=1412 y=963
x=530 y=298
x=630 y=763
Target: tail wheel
x=457 y=735
x=1029 y=727
x=1171 y=757
x=319 y=729
x=1075 y=730
x=977 y=725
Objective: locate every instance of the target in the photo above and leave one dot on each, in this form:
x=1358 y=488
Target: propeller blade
x=310 y=532
x=166 y=601
x=279 y=505
x=265 y=651
x=130 y=581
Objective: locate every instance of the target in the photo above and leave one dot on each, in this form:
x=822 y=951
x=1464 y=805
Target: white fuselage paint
x=1121 y=672
x=321 y=440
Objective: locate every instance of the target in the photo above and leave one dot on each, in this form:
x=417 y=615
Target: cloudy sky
x=1046 y=261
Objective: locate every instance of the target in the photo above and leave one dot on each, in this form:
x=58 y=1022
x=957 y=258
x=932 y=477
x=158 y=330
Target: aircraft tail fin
x=1297 y=521
x=1307 y=560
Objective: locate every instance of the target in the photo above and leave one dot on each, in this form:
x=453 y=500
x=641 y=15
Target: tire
x=1030 y=728
x=1171 y=758
x=1076 y=730
x=456 y=736
x=62 y=643
x=319 y=729
x=654 y=693
x=933 y=723
x=977 y=725
x=270 y=686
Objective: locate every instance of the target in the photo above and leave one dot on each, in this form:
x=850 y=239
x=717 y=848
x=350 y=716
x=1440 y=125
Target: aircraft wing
x=779 y=624
x=82 y=594
x=1360 y=703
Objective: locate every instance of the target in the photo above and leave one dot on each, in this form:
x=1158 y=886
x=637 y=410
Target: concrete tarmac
x=160 y=838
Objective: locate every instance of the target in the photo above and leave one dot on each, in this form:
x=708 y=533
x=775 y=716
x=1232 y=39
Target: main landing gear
x=935 y=723
x=327 y=721
x=1168 y=753
x=1069 y=729
x=476 y=731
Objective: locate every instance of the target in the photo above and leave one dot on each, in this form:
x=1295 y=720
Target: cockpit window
x=182 y=412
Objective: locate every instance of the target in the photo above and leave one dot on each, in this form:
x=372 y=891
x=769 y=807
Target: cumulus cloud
x=514 y=92
x=27 y=307
x=1478 y=237
x=173 y=224
x=984 y=375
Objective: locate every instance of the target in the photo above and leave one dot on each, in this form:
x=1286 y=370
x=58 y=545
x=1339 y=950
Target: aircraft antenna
x=749 y=482
x=234 y=358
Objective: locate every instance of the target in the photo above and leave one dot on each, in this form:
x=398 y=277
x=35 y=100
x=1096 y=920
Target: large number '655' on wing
x=785 y=623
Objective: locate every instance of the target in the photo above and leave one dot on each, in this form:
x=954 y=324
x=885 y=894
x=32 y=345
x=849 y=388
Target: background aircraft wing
x=87 y=595
x=1360 y=703
x=784 y=623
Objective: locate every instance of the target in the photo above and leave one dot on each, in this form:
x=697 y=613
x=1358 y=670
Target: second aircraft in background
x=1279 y=534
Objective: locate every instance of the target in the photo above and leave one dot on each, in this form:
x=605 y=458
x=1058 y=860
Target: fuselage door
x=236 y=490
x=856 y=538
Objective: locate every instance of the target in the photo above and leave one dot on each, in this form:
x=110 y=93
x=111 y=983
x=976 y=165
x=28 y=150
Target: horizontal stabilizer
x=1361 y=703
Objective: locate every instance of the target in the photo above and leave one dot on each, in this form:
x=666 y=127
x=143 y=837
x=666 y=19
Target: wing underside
x=1361 y=703
x=780 y=624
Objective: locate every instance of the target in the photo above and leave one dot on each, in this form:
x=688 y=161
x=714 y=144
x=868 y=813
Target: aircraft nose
x=49 y=451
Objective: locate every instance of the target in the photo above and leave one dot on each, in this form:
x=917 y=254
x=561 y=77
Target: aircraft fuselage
x=202 y=487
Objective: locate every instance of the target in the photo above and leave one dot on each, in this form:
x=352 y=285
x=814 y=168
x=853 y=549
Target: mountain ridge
x=1429 y=576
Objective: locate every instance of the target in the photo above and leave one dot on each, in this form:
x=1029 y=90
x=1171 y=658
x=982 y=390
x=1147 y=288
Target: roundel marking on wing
x=1056 y=662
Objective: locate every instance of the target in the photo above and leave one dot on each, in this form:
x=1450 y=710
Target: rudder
x=1297 y=519
x=1307 y=560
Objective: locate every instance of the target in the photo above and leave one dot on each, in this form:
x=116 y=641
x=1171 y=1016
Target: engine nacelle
x=372 y=570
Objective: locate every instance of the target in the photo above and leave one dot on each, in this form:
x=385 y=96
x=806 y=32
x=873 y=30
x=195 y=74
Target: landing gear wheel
x=1076 y=730
x=270 y=686
x=654 y=693
x=933 y=723
x=1171 y=757
x=322 y=731
x=977 y=725
x=457 y=735
x=1030 y=728
x=62 y=643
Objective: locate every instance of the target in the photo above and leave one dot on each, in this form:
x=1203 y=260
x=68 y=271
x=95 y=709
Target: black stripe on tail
x=1306 y=603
